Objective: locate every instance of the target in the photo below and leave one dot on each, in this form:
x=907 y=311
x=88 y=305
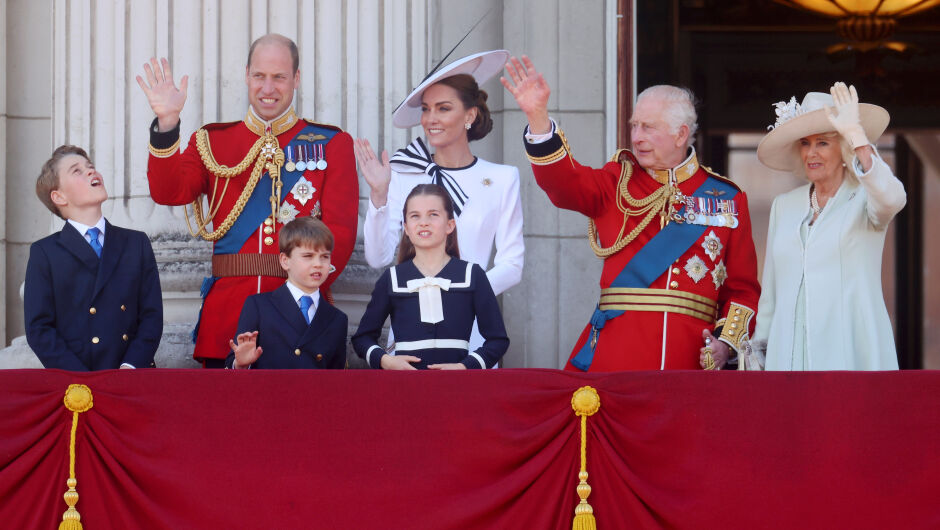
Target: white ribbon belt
x=429 y=297
x=428 y=344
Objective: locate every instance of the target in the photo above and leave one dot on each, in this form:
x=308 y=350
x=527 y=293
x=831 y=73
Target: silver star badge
x=720 y=274
x=696 y=268
x=712 y=245
x=287 y=213
x=303 y=190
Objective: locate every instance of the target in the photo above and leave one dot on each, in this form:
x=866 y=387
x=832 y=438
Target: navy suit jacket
x=85 y=313
x=285 y=338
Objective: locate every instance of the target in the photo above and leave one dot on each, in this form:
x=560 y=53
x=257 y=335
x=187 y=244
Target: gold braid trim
x=585 y=402
x=165 y=153
x=225 y=172
x=655 y=203
x=737 y=324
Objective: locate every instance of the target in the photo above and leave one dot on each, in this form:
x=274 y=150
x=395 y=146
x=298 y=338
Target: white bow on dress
x=429 y=297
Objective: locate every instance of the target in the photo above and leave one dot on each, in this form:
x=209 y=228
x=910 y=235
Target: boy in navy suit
x=92 y=298
x=293 y=326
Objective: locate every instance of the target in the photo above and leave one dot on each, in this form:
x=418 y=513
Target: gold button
x=94 y=340
x=319 y=356
x=297 y=352
x=269 y=240
x=268 y=222
x=92 y=310
x=674 y=284
x=737 y=319
x=124 y=336
x=734 y=326
x=737 y=311
x=675 y=270
x=123 y=308
x=269 y=230
x=731 y=332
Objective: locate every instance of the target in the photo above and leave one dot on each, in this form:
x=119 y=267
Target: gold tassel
x=585 y=402
x=78 y=399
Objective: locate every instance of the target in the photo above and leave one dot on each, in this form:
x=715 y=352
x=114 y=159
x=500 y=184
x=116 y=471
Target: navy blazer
x=285 y=338
x=85 y=313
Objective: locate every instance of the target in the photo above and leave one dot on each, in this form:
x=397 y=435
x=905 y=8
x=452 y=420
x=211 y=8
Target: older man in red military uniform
x=257 y=175
x=679 y=262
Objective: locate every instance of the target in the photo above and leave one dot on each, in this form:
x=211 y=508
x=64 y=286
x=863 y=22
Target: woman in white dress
x=451 y=109
x=821 y=304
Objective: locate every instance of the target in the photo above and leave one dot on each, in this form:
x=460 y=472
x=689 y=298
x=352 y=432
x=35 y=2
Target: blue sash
x=650 y=263
x=258 y=206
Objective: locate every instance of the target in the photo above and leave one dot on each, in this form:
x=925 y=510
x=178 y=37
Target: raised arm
x=165 y=98
x=531 y=92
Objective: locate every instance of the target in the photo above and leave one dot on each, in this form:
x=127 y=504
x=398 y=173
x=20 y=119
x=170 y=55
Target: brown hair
x=276 y=38
x=307 y=231
x=406 y=250
x=48 y=180
x=471 y=96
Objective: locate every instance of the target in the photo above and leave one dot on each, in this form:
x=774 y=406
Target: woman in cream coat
x=821 y=305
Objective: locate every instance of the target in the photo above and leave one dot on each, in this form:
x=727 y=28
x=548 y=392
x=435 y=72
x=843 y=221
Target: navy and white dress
x=432 y=317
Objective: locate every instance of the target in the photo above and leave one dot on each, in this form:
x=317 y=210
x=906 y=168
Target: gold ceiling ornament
x=78 y=399
x=585 y=402
x=865 y=25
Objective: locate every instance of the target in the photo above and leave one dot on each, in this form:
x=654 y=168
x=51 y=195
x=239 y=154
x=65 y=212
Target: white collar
x=84 y=228
x=297 y=293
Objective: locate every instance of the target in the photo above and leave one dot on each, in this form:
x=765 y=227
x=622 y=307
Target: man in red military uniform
x=256 y=175
x=679 y=260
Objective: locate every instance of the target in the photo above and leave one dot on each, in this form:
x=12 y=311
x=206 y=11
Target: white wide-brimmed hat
x=482 y=66
x=780 y=148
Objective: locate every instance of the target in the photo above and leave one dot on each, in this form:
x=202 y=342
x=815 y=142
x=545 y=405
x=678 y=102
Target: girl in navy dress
x=432 y=297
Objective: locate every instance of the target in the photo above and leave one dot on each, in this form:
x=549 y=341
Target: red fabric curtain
x=494 y=449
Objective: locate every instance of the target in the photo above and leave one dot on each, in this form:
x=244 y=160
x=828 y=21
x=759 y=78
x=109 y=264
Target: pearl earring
x=466 y=126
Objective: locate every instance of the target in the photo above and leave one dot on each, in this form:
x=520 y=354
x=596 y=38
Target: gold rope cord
x=585 y=402
x=78 y=399
x=265 y=149
x=654 y=203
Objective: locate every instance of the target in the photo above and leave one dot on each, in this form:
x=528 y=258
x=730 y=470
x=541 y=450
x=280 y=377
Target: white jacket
x=493 y=214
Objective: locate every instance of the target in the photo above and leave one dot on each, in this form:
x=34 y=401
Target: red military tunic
x=718 y=271
x=250 y=266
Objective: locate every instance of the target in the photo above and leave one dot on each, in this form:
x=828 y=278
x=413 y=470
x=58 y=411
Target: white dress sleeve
x=886 y=195
x=510 y=247
x=766 y=304
x=381 y=230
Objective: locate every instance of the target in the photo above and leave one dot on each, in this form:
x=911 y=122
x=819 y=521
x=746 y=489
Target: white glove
x=847 y=122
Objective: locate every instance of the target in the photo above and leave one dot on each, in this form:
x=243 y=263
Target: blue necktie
x=95 y=245
x=305 y=303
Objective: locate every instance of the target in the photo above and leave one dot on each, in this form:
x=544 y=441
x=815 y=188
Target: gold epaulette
x=165 y=153
x=735 y=325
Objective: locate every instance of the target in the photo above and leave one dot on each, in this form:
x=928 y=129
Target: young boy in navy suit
x=293 y=326
x=92 y=298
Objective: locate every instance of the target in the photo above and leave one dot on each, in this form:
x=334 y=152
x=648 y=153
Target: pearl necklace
x=814 y=202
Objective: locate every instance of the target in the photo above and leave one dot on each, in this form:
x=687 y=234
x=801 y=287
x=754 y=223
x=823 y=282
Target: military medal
x=290 y=166
x=321 y=162
x=301 y=158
